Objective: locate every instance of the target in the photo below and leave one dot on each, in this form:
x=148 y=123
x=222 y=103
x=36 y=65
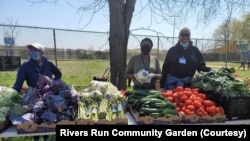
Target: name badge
x=182 y=60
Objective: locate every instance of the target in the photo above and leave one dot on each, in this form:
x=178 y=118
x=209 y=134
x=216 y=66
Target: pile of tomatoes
x=190 y=101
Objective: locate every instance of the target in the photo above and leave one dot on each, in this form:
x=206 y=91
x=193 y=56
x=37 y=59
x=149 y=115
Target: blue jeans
x=171 y=82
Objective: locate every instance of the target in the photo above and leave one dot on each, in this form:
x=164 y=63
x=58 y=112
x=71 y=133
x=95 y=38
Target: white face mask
x=185 y=45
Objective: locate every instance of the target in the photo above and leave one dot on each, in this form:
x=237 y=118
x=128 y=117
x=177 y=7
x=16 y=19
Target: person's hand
x=151 y=75
x=157 y=85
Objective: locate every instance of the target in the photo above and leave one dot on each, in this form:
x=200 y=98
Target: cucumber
x=168 y=115
x=155 y=114
x=159 y=104
x=163 y=105
x=168 y=111
x=154 y=92
x=151 y=110
x=156 y=100
x=158 y=96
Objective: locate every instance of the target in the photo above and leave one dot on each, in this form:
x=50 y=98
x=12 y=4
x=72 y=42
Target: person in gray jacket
x=144 y=69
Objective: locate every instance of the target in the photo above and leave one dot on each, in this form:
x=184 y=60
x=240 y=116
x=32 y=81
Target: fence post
x=54 y=37
x=158 y=40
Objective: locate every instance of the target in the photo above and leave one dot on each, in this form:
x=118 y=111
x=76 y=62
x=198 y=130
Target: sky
x=61 y=15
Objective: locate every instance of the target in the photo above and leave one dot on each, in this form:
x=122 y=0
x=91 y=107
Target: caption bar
x=157 y=132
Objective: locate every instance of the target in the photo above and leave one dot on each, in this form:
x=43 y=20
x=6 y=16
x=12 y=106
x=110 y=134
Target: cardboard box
x=117 y=121
x=175 y=119
x=31 y=127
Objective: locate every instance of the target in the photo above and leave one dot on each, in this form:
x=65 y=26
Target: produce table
x=11 y=131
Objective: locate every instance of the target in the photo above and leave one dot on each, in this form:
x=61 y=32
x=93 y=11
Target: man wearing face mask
x=31 y=69
x=181 y=62
x=144 y=68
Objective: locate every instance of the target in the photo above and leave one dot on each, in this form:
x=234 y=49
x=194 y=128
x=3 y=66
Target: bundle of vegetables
x=191 y=101
x=151 y=103
x=108 y=109
x=221 y=81
x=101 y=100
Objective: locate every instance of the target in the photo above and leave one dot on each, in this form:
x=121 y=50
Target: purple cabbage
x=43 y=81
x=48 y=94
x=38 y=107
x=46 y=88
x=58 y=85
x=66 y=94
x=48 y=117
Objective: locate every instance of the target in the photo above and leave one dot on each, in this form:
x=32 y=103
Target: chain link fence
x=76 y=44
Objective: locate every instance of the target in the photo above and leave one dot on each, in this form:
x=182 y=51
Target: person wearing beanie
x=144 y=68
x=181 y=63
x=30 y=71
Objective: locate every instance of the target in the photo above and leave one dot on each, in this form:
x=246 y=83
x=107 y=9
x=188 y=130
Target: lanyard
x=40 y=67
x=146 y=67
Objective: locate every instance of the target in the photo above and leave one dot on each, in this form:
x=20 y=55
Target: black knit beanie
x=147 y=39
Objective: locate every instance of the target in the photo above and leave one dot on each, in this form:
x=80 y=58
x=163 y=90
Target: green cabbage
x=2 y=117
x=4 y=111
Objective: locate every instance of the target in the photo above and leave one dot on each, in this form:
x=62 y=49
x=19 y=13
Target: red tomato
x=188 y=102
x=180 y=104
x=181 y=113
x=183 y=98
x=180 y=94
x=167 y=93
x=188 y=93
x=179 y=89
x=197 y=104
x=211 y=110
x=177 y=108
x=202 y=96
x=208 y=103
x=176 y=99
x=221 y=110
x=188 y=112
x=190 y=107
x=187 y=89
x=170 y=98
x=195 y=90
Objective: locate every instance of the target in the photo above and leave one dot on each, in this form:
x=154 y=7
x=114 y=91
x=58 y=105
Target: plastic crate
x=234 y=107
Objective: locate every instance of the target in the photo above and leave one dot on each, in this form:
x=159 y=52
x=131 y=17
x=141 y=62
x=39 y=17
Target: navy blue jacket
x=171 y=65
x=30 y=70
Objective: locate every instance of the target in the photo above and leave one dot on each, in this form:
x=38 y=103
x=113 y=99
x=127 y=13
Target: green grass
x=81 y=72
x=76 y=72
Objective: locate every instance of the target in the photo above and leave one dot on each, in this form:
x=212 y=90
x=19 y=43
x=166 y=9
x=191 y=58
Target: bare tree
x=121 y=13
x=220 y=34
x=10 y=32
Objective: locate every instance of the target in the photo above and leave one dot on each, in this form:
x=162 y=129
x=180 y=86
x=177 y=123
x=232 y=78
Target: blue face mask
x=35 y=55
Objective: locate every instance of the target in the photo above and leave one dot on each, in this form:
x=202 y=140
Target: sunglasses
x=185 y=34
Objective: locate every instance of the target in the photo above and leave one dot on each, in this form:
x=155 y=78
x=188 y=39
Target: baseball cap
x=37 y=46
